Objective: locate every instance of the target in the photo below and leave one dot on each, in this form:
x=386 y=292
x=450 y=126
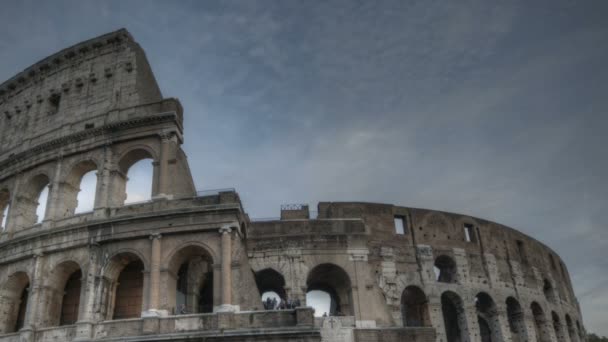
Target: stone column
x=226 y=270
x=54 y=201
x=36 y=288
x=102 y=197
x=86 y=319
x=154 y=298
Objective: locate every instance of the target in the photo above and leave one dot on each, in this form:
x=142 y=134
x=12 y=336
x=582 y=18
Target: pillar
x=154 y=293
x=86 y=318
x=168 y=148
x=226 y=271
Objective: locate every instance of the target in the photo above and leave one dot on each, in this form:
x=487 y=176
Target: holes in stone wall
x=445 y=269
x=540 y=323
x=454 y=319
x=334 y=281
x=521 y=250
x=515 y=317
x=469 y=233
x=5 y=198
x=487 y=317
x=414 y=307
x=400 y=225
x=549 y=291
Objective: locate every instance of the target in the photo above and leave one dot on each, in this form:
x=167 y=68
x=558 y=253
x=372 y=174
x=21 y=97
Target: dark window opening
x=445 y=269
x=469 y=233
x=54 y=102
x=522 y=251
x=71 y=299
x=22 y=308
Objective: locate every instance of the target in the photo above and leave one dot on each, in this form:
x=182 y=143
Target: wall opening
x=445 y=269
x=571 y=330
x=521 y=250
x=469 y=233
x=557 y=326
x=322 y=302
x=193 y=287
x=71 y=299
x=487 y=317
x=5 y=198
x=334 y=281
x=400 y=225
x=549 y=291
x=14 y=302
x=414 y=307
x=137 y=171
x=79 y=189
x=271 y=284
x=515 y=316
x=540 y=323
x=129 y=291
x=452 y=308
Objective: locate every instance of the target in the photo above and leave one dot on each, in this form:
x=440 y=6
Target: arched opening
x=557 y=326
x=445 y=269
x=79 y=189
x=64 y=283
x=193 y=286
x=515 y=316
x=124 y=282
x=549 y=291
x=271 y=285
x=5 y=198
x=454 y=318
x=14 y=302
x=571 y=331
x=322 y=302
x=414 y=307
x=540 y=323
x=31 y=208
x=137 y=171
x=333 y=281
x=487 y=317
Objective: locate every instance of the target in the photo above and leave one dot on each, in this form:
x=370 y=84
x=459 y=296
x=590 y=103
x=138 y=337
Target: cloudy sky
x=497 y=109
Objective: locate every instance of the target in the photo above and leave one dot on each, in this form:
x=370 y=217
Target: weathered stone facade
x=121 y=271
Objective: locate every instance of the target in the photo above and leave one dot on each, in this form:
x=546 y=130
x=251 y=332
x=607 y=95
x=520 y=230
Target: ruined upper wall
x=64 y=93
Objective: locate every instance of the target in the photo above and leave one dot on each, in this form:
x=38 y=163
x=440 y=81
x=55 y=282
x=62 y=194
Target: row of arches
x=77 y=192
x=119 y=294
x=446 y=272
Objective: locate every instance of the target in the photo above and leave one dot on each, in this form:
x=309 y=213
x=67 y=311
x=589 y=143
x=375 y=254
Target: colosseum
x=191 y=265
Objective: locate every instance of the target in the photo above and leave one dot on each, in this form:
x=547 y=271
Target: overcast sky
x=497 y=109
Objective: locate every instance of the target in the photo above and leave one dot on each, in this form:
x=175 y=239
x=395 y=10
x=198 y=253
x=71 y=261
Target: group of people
x=274 y=304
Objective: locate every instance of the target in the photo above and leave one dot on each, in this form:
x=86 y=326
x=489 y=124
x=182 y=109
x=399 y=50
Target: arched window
x=454 y=318
x=5 y=198
x=194 y=283
x=31 y=206
x=124 y=282
x=487 y=317
x=540 y=323
x=414 y=307
x=138 y=175
x=42 y=204
x=14 y=302
x=64 y=297
x=271 y=284
x=557 y=326
x=515 y=315
x=321 y=301
x=78 y=191
x=445 y=269
x=571 y=331
x=335 y=283
x=549 y=291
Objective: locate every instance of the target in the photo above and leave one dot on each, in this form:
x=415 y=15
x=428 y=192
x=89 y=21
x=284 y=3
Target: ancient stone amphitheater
x=192 y=266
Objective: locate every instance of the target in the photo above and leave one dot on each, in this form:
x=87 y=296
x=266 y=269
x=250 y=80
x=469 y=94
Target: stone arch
x=30 y=197
x=268 y=280
x=123 y=284
x=515 y=317
x=126 y=160
x=13 y=302
x=414 y=307
x=333 y=280
x=72 y=185
x=541 y=326
x=454 y=317
x=557 y=327
x=65 y=287
x=5 y=200
x=445 y=269
x=549 y=290
x=190 y=285
x=487 y=317
x=571 y=330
